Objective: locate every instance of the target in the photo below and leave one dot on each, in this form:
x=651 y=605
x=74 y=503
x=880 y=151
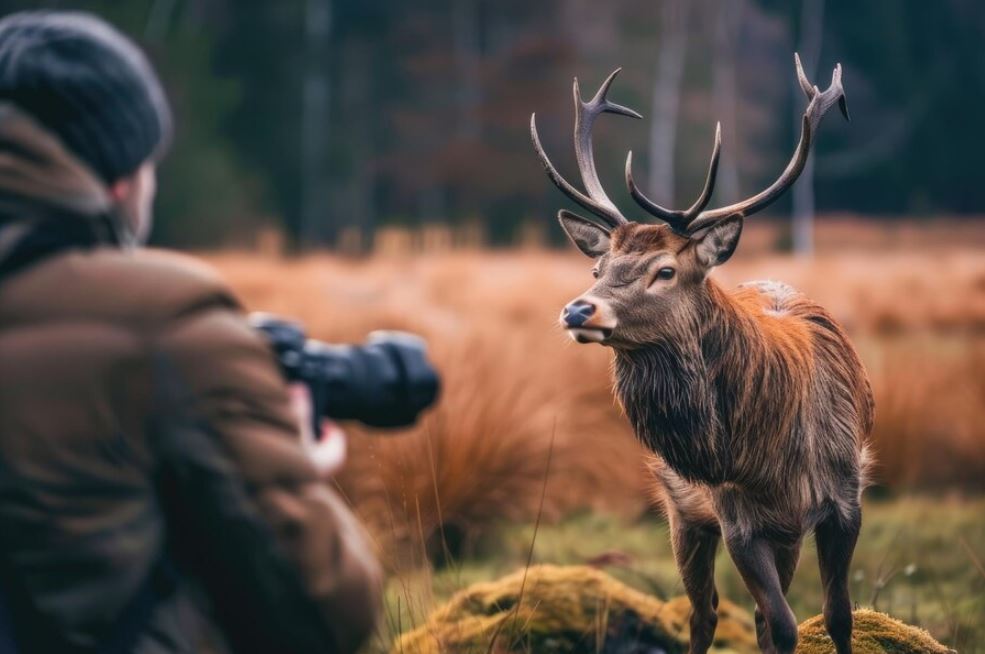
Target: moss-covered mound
x=566 y=609
x=873 y=633
x=583 y=610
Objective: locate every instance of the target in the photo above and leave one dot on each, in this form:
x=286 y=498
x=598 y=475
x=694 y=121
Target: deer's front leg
x=756 y=561
x=786 y=558
x=695 y=546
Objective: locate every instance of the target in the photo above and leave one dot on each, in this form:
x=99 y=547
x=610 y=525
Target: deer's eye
x=665 y=273
x=595 y=273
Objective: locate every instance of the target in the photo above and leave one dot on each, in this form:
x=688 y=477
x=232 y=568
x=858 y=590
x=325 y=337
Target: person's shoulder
x=135 y=293
x=153 y=267
x=158 y=282
x=140 y=287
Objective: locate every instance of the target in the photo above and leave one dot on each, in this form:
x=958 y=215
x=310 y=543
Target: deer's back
x=815 y=448
x=791 y=410
x=789 y=319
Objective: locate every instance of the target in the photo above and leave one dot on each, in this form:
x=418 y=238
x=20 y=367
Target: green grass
x=919 y=559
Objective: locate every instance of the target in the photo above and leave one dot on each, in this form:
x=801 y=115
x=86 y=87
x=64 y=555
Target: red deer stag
x=754 y=401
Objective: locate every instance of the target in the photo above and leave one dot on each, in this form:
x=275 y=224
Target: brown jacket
x=141 y=418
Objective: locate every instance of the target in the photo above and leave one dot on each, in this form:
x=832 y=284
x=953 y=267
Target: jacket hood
x=44 y=187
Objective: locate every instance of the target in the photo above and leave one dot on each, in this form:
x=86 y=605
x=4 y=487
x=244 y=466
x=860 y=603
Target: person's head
x=93 y=88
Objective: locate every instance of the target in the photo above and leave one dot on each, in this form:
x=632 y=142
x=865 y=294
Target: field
x=460 y=490
x=913 y=561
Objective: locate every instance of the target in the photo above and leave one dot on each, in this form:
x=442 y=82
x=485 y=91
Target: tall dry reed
x=513 y=381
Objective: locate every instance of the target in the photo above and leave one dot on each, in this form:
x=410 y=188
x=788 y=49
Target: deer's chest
x=677 y=419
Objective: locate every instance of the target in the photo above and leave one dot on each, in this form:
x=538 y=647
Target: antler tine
x=585 y=114
x=805 y=83
x=563 y=184
x=709 y=188
x=678 y=220
x=819 y=104
x=600 y=100
x=810 y=90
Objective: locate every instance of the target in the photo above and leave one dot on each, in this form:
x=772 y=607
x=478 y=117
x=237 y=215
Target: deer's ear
x=715 y=245
x=590 y=238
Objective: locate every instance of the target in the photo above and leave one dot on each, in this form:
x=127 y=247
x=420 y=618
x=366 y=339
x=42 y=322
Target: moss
x=874 y=633
x=581 y=609
x=566 y=609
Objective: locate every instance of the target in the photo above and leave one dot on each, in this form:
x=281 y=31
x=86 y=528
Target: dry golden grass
x=513 y=382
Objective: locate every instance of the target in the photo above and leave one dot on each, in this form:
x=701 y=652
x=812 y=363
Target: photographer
x=154 y=489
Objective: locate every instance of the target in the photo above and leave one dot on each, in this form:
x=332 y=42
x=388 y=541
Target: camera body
x=385 y=382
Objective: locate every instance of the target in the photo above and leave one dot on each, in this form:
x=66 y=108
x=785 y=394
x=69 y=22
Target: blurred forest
x=319 y=116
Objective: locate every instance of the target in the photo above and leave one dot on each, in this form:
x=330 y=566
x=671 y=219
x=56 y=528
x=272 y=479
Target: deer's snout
x=588 y=320
x=576 y=313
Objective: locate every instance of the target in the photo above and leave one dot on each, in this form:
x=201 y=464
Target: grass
x=918 y=559
x=512 y=378
x=462 y=489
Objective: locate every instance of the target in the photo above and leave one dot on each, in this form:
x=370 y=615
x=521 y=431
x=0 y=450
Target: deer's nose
x=576 y=313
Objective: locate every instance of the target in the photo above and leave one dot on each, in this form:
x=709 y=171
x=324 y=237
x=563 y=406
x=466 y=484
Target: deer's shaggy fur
x=758 y=408
x=754 y=402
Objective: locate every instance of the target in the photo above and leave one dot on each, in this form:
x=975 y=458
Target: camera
x=385 y=382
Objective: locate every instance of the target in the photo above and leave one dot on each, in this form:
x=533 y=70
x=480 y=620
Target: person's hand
x=328 y=452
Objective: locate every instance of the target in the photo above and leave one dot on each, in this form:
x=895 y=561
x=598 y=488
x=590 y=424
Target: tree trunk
x=467 y=55
x=666 y=99
x=316 y=225
x=728 y=20
x=158 y=20
x=811 y=33
x=357 y=98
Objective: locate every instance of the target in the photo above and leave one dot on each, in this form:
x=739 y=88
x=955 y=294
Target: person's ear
x=590 y=238
x=121 y=189
x=714 y=245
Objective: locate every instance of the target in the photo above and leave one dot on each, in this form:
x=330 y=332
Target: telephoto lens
x=385 y=382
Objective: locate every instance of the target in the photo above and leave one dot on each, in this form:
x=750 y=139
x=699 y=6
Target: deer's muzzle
x=576 y=313
x=586 y=321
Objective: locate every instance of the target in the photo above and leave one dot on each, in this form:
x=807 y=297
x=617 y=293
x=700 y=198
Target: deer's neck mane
x=680 y=393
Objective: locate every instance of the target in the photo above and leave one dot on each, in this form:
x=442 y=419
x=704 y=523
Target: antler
x=695 y=218
x=585 y=114
x=678 y=220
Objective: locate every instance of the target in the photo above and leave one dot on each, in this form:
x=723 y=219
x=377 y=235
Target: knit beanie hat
x=88 y=84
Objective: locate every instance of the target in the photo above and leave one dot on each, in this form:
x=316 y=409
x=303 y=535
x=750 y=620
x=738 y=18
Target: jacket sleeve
x=285 y=564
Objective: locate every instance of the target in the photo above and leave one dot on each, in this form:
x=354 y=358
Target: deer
x=753 y=402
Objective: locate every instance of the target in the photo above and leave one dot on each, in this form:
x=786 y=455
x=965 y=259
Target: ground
x=578 y=609
x=519 y=398
x=919 y=559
